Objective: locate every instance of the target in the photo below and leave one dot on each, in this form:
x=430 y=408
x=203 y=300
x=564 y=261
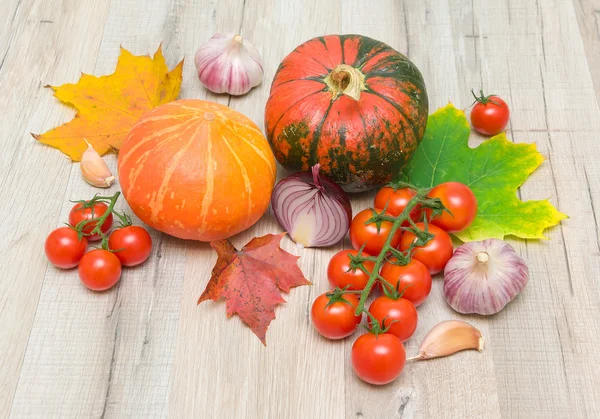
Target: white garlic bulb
x=483 y=277
x=227 y=63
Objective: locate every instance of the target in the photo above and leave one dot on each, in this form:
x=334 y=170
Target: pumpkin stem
x=347 y=80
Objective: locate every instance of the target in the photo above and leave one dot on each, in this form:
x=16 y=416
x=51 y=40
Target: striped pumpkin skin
x=363 y=141
x=197 y=170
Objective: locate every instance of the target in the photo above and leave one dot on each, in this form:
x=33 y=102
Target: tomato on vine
x=371 y=235
x=64 y=249
x=99 y=270
x=490 y=114
x=333 y=314
x=397 y=313
x=131 y=244
x=343 y=270
x=378 y=357
x=395 y=200
x=413 y=279
x=435 y=253
x=460 y=202
x=87 y=210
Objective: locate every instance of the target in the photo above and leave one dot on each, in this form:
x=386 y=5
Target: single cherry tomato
x=341 y=274
x=79 y=213
x=63 y=248
x=436 y=253
x=396 y=201
x=490 y=114
x=399 y=314
x=460 y=201
x=378 y=359
x=336 y=320
x=131 y=244
x=99 y=269
x=361 y=233
x=413 y=279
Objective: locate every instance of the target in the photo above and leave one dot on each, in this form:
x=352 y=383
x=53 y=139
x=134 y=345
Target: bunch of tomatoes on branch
x=398 y=245
x=91 y=221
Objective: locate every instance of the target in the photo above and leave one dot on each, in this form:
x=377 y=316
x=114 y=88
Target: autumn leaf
x=250 y=280
x=494 y=171
x=108 y=106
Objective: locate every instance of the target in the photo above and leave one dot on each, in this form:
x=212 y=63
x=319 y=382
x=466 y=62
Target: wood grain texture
x=145 y=349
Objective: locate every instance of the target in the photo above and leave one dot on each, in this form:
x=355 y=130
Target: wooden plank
x=108 y=354
x=539 y=328
x=588 y=17
x=221 y=368
x=34 y=50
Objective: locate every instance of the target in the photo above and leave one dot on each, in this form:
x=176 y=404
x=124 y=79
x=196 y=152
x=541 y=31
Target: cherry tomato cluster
x=420 y=248
x=91 y=221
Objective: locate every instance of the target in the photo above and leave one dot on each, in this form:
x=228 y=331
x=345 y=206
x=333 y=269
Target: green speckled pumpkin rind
x=351 y=103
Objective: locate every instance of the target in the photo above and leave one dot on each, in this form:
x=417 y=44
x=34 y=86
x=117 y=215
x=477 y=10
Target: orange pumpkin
x=197 y=170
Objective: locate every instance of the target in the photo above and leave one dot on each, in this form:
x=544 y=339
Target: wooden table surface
x=145 y=349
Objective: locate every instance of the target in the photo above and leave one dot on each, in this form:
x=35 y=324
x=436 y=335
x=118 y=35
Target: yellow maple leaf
x=108 y=106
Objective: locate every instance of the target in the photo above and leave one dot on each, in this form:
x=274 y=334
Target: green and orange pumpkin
x=351 y=103
x=197 y=170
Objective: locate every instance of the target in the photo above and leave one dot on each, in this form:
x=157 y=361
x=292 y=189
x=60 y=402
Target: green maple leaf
x=494 y=171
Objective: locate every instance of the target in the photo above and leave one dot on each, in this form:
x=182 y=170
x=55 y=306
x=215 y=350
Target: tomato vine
x=423 y=237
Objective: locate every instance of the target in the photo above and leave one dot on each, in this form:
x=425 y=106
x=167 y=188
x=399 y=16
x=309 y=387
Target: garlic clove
x=483 y=277
x=227 y=63
x=94 y=169
x=449 y=337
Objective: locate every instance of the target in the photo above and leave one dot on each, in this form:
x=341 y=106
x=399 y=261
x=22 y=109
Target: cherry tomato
x=341 y=275
x=396 y=201
x=400 y=315
x=78 y=214
x=378 y=359
x=99 y=269
x=460 y=201
x=413 y=279
x=436 y=253
x=361 y=233
x=131 y=244
x=336 y=320
x=490 y=114
x=63 y=248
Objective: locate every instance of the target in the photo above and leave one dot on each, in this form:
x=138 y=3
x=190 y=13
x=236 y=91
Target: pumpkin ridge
x=162 y=190
x=317 y=136
x=400 y=111
x=133 y=175
x=244 y=172
x=294 y=104
x=256 y=150
x=210 y=182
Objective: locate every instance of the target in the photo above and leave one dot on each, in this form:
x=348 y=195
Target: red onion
x=312 y=208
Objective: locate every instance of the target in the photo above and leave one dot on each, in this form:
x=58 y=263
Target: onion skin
x=312 y=208
x=483 y=277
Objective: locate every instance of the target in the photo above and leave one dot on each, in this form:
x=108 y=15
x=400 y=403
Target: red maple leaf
x=250 y=280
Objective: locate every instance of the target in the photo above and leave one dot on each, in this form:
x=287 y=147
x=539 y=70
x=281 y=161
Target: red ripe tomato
x=460 y=201
x=361 y=233
x=378 y=359
x=399 y=314
x=131 y=244
x=64 y=249
x=490 y=114
x=436 y=253
x=396 y=201
x=99 y=270
x=413 y=279
x=336 y=320
x=78 y=214
x=341 y=275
